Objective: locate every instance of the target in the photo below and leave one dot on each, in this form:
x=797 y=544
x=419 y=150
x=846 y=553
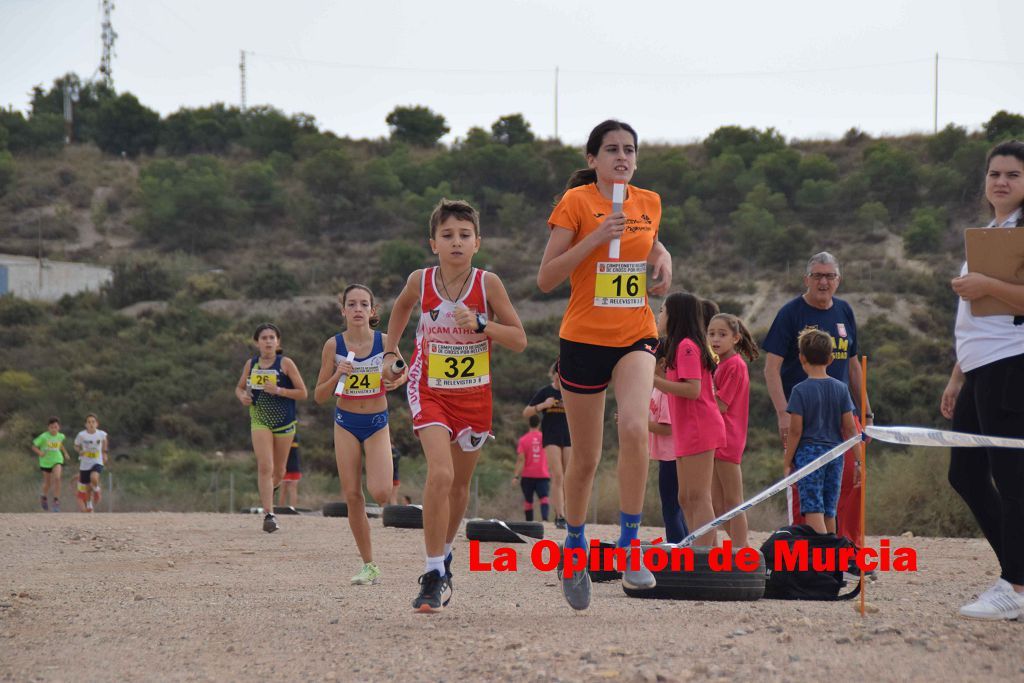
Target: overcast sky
x=675 y=69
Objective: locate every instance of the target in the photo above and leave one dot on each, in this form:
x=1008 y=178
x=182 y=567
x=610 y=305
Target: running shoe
x=448 y=567
x=577 y=589
x=559 y=522
x=369 y=575
x=42 y=501
x=998 y=602
x=270 y=524
x=432 y=588
x=638 y=579
x=56 y=506
x=88 y=506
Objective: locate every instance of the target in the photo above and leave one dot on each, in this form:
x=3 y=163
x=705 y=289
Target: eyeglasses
x=831 y=277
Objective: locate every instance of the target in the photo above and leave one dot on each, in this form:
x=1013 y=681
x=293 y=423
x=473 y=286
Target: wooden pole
x=863 y=469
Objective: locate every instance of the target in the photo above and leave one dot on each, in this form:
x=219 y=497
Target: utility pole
x=556 y=103
x=109 y=36
x=241 y=73
x=935 y=110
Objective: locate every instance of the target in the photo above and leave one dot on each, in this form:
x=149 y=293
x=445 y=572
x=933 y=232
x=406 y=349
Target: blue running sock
x=575 y=536
x=629 y=528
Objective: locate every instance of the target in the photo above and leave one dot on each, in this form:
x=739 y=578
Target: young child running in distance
x=820 y=418
x=697 y=425
x=92 y=446
x=547 y=403
x=731 y=341
x=49 y=446
x=531 y=470
x=608 y=334
x=663 y=451
x=289 y=491
x=462 y=310
x=269 y=386
x=360 y=414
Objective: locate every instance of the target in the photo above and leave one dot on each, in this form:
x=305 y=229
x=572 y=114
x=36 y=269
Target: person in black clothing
x=547 y=403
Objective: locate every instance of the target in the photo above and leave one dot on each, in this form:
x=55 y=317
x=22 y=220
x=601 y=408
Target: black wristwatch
x=481 y=322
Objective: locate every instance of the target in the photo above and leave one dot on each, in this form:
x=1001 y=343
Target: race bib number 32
x=620 y=284
x=457 y=366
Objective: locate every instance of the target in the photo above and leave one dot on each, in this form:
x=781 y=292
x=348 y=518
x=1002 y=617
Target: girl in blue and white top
x=270 y=385
x=985 y=395
x=351 y=369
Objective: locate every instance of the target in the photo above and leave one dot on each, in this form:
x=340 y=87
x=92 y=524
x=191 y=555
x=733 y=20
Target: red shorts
x=292 y=476
x=465 y=414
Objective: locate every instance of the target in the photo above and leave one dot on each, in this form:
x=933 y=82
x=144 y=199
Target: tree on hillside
x=188 y=204
x=329 y=176
x=88 y=97
x=206 y=130
x=892 y=175
x=123 y=125
x=266 y=129
x=1004 y=126
x=417 y=125
x=748 y=143
x=512 y=129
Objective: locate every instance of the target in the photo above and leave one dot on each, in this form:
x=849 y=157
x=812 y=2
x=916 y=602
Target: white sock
x=436 y=564
x=448 y=549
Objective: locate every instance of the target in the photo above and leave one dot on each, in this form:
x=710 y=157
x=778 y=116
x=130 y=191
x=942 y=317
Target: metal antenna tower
x=109 y=36
x=241 y=71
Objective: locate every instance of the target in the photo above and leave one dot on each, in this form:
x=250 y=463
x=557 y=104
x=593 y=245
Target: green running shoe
x=369 y=575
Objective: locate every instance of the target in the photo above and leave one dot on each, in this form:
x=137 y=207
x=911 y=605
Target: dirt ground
x=197 y=597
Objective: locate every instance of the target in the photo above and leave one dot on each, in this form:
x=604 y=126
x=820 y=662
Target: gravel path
x=198 y=597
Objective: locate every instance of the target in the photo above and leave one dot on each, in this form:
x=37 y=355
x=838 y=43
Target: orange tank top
x=608 y=304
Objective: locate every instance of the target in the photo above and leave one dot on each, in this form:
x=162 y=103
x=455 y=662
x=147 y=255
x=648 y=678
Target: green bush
x=142 y=280
x=927 y=226
x=401 y=257
x=272 y=282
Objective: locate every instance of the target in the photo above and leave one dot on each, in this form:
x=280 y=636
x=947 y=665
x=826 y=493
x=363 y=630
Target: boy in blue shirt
x=820 y=418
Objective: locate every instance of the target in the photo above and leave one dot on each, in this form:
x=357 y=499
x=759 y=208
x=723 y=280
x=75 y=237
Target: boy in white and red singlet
x=531 y=470
x=462 y=309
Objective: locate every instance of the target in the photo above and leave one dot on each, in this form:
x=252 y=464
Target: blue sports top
x=365 y=379
x=275 y=412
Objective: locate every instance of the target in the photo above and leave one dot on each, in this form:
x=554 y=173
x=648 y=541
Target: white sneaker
x=998 y=602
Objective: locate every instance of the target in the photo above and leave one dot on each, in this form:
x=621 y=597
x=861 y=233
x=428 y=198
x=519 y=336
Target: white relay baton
x=618 y=197
x=339 y=390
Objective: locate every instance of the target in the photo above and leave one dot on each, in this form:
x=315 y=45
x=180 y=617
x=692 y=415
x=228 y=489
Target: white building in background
x=46 y=280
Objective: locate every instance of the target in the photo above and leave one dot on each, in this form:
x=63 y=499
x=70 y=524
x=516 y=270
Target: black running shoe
x=559 y=522
x=448 y=567
x=270 y=524
x=432 y=588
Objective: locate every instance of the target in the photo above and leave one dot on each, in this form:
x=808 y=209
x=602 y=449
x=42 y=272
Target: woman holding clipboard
x=985 y=395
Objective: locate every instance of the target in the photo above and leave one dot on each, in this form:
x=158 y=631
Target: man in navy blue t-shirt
x=817 y=307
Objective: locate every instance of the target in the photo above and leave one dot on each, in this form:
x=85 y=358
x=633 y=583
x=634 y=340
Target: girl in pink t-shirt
x=697 y=425
x=731 y=340
x=663 y=452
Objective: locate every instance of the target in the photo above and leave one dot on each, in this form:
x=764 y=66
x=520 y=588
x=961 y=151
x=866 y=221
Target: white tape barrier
x=920 y=436
x=780 y=485
x=906 y=436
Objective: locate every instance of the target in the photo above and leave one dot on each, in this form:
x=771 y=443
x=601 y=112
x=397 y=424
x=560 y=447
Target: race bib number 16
x=620 y=284
x=456 y=366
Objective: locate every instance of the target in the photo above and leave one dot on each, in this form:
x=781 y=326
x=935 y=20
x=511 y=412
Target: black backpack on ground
x=809 y=584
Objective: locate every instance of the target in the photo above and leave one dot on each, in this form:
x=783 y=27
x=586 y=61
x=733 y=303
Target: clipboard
x=998 y=253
